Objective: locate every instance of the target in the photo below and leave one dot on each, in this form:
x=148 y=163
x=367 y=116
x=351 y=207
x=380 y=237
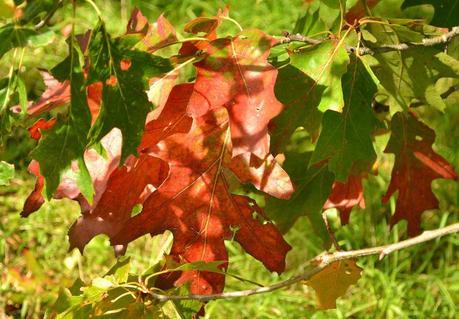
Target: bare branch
x=427 y=42
x=317 y=264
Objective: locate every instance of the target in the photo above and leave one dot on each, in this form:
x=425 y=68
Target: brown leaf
x=333 y=281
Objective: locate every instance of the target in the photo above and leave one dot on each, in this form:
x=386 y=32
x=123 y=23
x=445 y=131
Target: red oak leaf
x=345 y=196
x=154 y=36
x=195 y=203
x=416 y=166
x=235 y=74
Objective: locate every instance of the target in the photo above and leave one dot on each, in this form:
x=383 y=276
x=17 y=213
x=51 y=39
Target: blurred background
x=420 y=282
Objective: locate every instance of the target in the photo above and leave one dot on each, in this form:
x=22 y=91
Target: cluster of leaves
x=228 y=138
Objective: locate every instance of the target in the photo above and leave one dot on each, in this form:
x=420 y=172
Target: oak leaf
x=416 y=166
x=196 y=205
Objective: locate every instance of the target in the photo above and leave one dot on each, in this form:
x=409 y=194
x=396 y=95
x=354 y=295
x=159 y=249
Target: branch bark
x=317 y=264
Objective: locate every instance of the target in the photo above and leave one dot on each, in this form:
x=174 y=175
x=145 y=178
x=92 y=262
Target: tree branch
x=427 y=42
x=317 y=264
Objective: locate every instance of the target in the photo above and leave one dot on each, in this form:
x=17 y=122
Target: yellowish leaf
x=333 y=281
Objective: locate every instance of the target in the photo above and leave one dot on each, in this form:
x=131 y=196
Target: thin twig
x=317 y=264
x=427 y=42
x=287 y=38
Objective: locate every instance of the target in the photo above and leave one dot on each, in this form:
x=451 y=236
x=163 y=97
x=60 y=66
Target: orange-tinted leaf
x=333 y=281
x=345 y=196
x=170 y=119
x=207 y=25
x=35 y=200
x=416 y=166
x=195 y=203
x=235 y=74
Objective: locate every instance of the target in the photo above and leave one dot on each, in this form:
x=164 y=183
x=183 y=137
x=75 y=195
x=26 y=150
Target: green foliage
x=6 y=173
x=67 y=140
x=345 y=140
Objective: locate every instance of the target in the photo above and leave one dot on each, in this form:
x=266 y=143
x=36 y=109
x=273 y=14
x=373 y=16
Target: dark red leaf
x=416 y=166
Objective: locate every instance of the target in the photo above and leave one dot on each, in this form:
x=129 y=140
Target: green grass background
x=420 y=282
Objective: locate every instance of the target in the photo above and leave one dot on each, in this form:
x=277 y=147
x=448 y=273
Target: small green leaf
x=120 y=270
x=345 y=140
x=445 y=11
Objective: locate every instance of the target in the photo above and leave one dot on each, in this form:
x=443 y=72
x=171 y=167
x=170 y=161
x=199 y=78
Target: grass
x=420 y=282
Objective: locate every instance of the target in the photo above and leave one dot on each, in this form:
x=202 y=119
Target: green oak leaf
x=300 y=95
x=67 y=140
x=313 y=186
x=124 y=74
x=410 y=76
x=15 y=36
x=6 y=173
x=345 y=140
x=325 y=63
x=446 y=11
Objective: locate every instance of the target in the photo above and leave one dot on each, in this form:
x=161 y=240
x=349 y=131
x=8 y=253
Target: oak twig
x=317 y=264
x=427 y=42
